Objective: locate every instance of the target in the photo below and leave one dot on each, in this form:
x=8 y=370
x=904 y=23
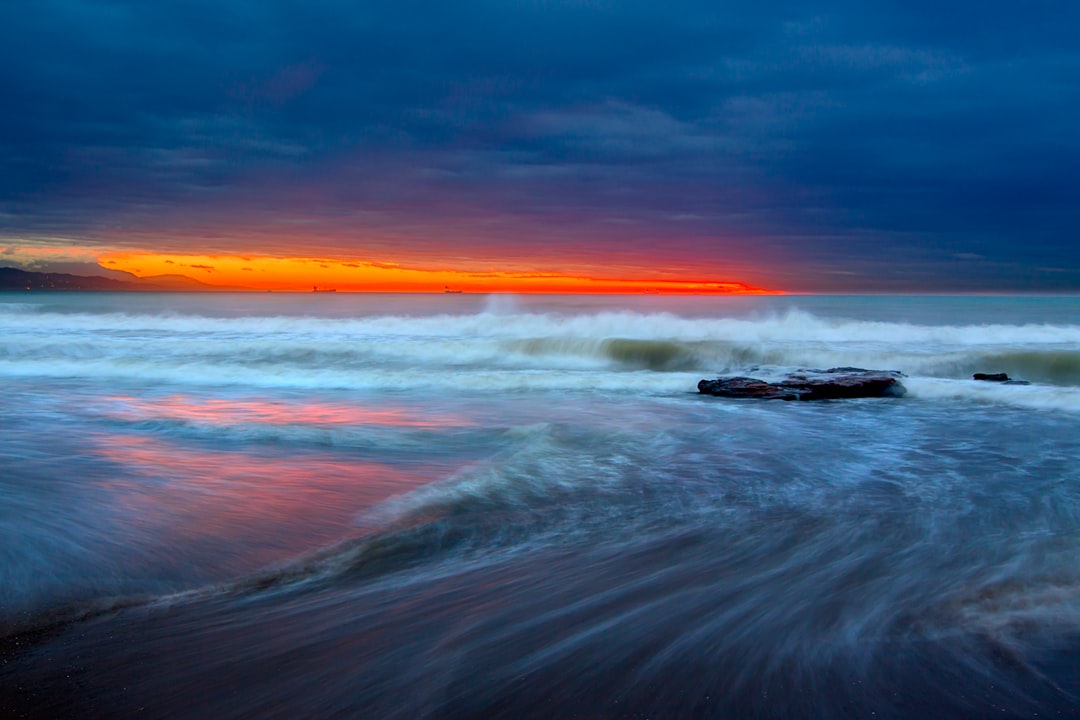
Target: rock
x=832 y=384
x=999 y=378
x=868 y=383
x=745 y=387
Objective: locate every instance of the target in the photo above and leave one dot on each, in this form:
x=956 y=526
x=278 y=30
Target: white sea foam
x=503 y=348
x=1036 y=397
x=502 y=322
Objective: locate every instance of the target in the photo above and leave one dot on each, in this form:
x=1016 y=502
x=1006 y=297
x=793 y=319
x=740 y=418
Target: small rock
x=999 y=378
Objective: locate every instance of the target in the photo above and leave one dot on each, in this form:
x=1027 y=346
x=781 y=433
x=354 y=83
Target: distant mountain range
x=16 y=279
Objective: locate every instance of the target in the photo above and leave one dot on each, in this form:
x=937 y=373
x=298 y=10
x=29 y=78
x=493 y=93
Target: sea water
x=467 y=506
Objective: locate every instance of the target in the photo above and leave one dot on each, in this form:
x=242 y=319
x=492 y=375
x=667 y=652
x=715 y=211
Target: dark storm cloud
x=847 y=145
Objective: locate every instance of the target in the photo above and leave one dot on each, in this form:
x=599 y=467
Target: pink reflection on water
x=222 y=411
x=233 y=511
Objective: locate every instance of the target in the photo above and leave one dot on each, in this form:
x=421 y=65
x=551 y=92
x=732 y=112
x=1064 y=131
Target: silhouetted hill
x=16 y=279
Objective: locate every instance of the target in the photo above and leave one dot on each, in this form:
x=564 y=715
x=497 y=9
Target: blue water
x=271 y=505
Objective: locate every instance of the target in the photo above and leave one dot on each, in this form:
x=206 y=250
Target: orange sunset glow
x=300 y=274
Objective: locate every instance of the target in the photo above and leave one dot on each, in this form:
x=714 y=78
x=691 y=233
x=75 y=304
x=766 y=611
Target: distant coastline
x=18 y=279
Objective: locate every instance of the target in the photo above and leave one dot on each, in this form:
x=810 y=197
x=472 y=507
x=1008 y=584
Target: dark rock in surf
x=867 y=383
x=1002 y=378
x=833 y=384
x=745 y=387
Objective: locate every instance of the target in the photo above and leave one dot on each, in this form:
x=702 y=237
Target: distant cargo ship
x=315 y=288
x=446 y=289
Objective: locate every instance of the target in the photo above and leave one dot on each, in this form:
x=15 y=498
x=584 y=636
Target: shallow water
x=451 y=507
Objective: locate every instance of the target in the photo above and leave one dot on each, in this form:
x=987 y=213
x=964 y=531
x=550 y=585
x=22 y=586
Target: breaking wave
x=503 y=350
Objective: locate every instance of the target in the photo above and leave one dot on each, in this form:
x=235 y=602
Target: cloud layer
x=811 y=146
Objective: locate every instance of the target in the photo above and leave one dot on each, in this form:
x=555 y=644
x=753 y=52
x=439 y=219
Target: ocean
x=466 y=506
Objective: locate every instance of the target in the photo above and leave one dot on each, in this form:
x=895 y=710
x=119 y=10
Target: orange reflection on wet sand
x=218 y=411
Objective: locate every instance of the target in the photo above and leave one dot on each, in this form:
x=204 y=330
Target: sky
x=812 y=146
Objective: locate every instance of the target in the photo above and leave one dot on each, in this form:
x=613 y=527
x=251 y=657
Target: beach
x=237 y=505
